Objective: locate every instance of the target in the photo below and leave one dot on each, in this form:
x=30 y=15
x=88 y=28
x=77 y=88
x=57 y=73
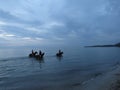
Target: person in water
x=59 y=54
x=59 y=51
x=40 y=53
x=32 y=52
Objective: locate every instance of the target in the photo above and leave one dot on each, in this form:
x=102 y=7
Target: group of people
x=40 y=55
x=37 y=55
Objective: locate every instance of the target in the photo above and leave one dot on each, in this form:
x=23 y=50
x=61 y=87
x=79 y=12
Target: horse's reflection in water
x=41 y=61
x=59 y=58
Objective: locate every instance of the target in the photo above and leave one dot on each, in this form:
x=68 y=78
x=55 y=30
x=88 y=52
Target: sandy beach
x=107 y=81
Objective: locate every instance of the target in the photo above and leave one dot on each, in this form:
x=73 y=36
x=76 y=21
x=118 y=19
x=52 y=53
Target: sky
x=59 y=22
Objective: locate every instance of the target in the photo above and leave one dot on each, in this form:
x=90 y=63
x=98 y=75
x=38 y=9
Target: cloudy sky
x=48 y=22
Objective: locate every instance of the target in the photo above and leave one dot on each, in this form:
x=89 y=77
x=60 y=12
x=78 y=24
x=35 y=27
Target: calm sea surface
x=77 y=66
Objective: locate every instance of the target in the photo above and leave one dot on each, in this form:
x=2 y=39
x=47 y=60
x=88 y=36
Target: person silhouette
x=59 y=51
x=32 y=52
x=40 y=53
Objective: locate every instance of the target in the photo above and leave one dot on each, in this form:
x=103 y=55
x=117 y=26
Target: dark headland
x=114 y=45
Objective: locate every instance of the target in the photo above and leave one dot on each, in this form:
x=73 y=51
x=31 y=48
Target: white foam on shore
x=102 y=82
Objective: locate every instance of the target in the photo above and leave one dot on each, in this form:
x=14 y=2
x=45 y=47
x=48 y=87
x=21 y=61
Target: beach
x=107 y=81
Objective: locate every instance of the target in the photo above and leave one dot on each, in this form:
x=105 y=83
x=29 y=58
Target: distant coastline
x=114 y=45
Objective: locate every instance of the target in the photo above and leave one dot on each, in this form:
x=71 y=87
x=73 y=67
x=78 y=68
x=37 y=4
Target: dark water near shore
x=77 y=66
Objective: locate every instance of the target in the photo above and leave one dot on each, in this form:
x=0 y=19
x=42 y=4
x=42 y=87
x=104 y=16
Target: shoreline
x=107 y=81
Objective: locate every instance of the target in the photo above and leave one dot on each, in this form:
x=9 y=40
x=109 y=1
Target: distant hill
x=114 y=45
x=118 y=44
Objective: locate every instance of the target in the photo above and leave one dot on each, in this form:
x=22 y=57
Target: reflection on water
x=41 y=61
x=60 y=58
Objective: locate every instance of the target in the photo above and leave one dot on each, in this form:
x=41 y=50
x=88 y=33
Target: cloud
x=84 y=21
x=2 y=23
x=5 y=35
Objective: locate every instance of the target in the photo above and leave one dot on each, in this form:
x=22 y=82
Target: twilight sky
x=48 y=22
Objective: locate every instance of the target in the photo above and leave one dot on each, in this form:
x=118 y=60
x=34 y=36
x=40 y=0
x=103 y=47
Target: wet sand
x=107 y=81
x=116 y=84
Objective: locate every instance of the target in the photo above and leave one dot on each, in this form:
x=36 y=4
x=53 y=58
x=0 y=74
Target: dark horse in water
x=36 y=55
x=59 y=54
x=40 y=56
x=33 y=54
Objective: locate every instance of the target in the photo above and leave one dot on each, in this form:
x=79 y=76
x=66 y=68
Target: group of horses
x=40 y=55
x=36 y=54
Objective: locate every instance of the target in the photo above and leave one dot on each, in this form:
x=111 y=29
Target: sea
x=77 y=66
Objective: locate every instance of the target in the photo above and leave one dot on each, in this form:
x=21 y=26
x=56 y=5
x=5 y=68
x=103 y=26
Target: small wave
x=76 y=84
x=13 y=58
x=2 y=78
x=92 y=78
x=97 y=74
x=51 y=56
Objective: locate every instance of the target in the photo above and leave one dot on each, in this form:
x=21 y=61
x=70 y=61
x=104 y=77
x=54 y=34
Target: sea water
x=77 y=66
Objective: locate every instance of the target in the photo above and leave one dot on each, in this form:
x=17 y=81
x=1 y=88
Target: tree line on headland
x=114 y=45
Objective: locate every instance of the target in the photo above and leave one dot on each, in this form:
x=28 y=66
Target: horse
x=38 y=57
x=33 y=54
x=59 y=54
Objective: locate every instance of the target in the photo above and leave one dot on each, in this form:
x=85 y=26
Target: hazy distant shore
x=102 y=46
x=114 y=45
